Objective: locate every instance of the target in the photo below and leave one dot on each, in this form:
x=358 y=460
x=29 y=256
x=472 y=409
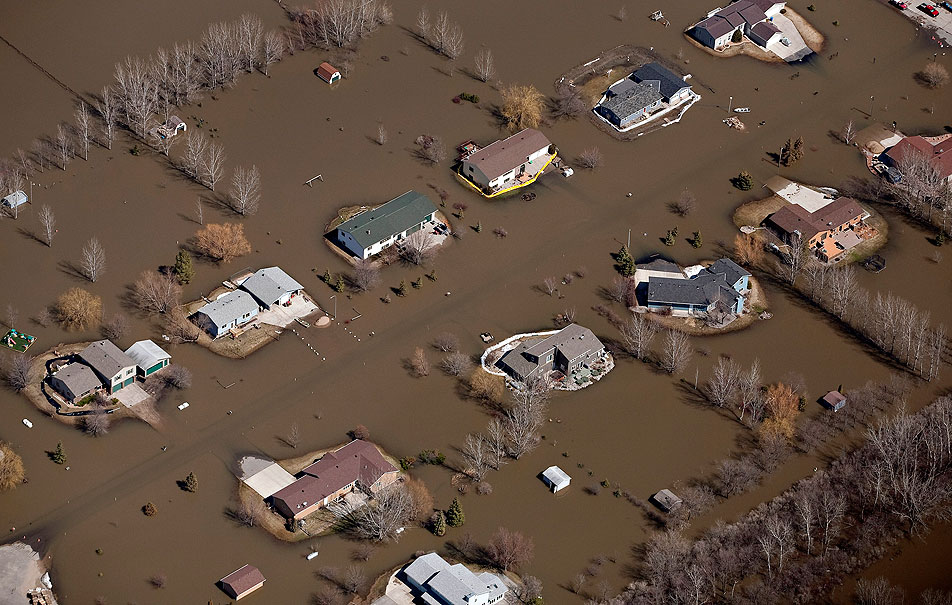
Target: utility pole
x=334 y=297
x=871 y=97
x=629 y=239
x=730 y=103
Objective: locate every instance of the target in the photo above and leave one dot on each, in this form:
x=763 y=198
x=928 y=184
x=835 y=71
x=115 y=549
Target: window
x=548 y=357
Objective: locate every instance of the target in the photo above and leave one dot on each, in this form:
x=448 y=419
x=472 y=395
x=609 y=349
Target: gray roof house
x=567 y=350
x=232 y=310
x=114 y=368
x=672 y=87
x=505 y=163
x=628 y=102
x=718 y=286
x=75 y=381
x=370 y=232
x=149 y=357
x=443 y=584
x=271 y=286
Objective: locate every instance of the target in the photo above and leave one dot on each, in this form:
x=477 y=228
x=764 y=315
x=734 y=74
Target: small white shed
x=15 y=199
x=555 y=478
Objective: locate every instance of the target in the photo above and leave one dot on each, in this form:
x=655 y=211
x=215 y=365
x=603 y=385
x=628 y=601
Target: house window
x=549 y=357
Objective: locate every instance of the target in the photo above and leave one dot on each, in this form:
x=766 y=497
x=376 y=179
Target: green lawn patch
x=18 y=341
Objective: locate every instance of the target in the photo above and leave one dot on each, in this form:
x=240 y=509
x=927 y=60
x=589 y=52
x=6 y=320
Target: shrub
x=149 y=510
x=743 y=181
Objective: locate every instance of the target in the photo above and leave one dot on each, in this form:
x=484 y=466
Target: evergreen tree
x=59 y=456
x=191 y=483
x=439 y=524
x=670 y=238
x=326 y=278
x=743 y=181
x=478 y=227
x=626 y=264
x=339 y=284
x=183 y=267
x=786 y=152
x=455 y=516
x=402 y=288
x=797 y=152
x=696 y=240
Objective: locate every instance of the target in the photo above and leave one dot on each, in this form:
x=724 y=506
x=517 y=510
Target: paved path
x=797 y=49
x=131 y=395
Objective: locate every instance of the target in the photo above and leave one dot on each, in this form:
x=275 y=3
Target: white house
x=15 y=199
x=231 y=310
x=443 y=584
x=740 y=18
x=370 y=232
x=149 y=357
x=271 y=286
x=555 y=478
x=115 y=369
x=508 y=162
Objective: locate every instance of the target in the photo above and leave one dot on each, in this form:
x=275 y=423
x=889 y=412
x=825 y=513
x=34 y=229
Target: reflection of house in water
x=721 y=287
x=567 y=351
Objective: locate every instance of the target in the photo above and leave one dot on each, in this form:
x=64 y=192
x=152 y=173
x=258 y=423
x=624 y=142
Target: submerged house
x=649 y=88
x=370 y=232
x=229 y=311
x=717 y=287
x=149 y=357
x=751 y=18
x=242 y=582
x=828 y=232
x=440 y=583
x=359 y=465
x=555 y=478
x=566 y=351
x=75 y=381
x=271 y=286
x=834 y=400
x=509 y=162
x=115 y=369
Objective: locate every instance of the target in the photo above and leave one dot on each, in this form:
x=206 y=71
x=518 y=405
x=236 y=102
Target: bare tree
x=40 y=149
x=18 y=370
x=219 y=53
x=456 y=364
x=530 y=591
x=748 y=389
x=250 y=512
x=637 y=333
x=381 y=135
x=550 y=285
x=522 y=106
x=137 y=93
x=249 y=40
x=64 y=146
x=806 y=514
x=510 y=549
x=446 y=342
x=378 y=520
x=246 y=190
x=794 y=260
x=723 y=383
x=524 y=421
x=591 y=158
x=83 y=128
x=96 y=424
x=196 y=146
x=154 y=292
x=184 y=76
x=115 y=327
x=685 y=204
x=677 y=351
x=366 y=275
x=485 y=66
x=933 y=75
x=93 y=260
x=878 y=591
x=199 y=212
x=475 y=455
x=622 y=14
x=454 y=42
x=293 y=438
x=273 y=49
x=419 y=364
x=222 y=242
x=495 y=441
x=48 y=222
x=568 y=104
x=179 y=328
x=432 y=148
x=423 y=24
x=842 y=289
x=108 y=109
x=418 y=247
x=849 y=132
x=213 y=165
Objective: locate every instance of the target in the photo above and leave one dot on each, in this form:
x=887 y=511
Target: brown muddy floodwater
x=636 y=428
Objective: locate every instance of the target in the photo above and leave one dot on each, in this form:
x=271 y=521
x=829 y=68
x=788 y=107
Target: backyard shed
x=328 y=73
x=666 y=500
x=149 y=357
x=15 y=199
x=555 y=478
x=834 y=400
x=242 y=582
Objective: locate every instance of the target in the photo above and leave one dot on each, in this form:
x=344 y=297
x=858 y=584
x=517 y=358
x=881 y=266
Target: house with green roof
x=371 y=231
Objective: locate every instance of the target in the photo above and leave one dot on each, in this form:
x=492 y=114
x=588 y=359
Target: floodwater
x=636 y=428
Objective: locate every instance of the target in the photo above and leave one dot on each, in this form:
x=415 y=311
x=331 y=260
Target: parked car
x=929 y=9
x=946 y=6
x=899 y=4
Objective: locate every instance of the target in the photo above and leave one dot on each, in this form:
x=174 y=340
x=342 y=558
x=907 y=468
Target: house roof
x=940 y=153
x=229 y=307
x=733 y=15
x=834 y=397
x=146 y=354
x=572 y=341
x=766 y=5
x=840 y=211
x=268 y=285
x=243 y=579
x=764 y=30
x=667 y=499
x=716 y=26
x=556 y=475
x=17 y=198
x=455 y=584
x=396 y=216
x=659 y=264
x=502 y=156
x=701 y=290
x=357 y=461
x=661 y=78
x=106 y=358
x=78 y=378
x=326 y=71
x=633 y=100
x=731 y=270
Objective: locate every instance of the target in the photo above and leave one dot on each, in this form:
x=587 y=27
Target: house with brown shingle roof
x=938 y=153
x=359 y=465
x=744 y=16
x=508 y=162
x=242 y=582
x=814 y=228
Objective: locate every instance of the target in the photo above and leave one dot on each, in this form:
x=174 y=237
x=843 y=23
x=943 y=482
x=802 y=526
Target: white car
x=183 y=406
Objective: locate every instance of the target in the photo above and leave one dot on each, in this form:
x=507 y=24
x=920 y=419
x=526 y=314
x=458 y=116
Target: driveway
x=131 y=395
x=301 y=306
x=942 y=22
x=797 y=49
x=795 y=193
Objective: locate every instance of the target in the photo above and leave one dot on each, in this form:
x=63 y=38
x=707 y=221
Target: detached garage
x=149 y=357
x=555 y=478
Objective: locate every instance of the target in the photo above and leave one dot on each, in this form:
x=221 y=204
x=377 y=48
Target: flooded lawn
x=636 y=428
